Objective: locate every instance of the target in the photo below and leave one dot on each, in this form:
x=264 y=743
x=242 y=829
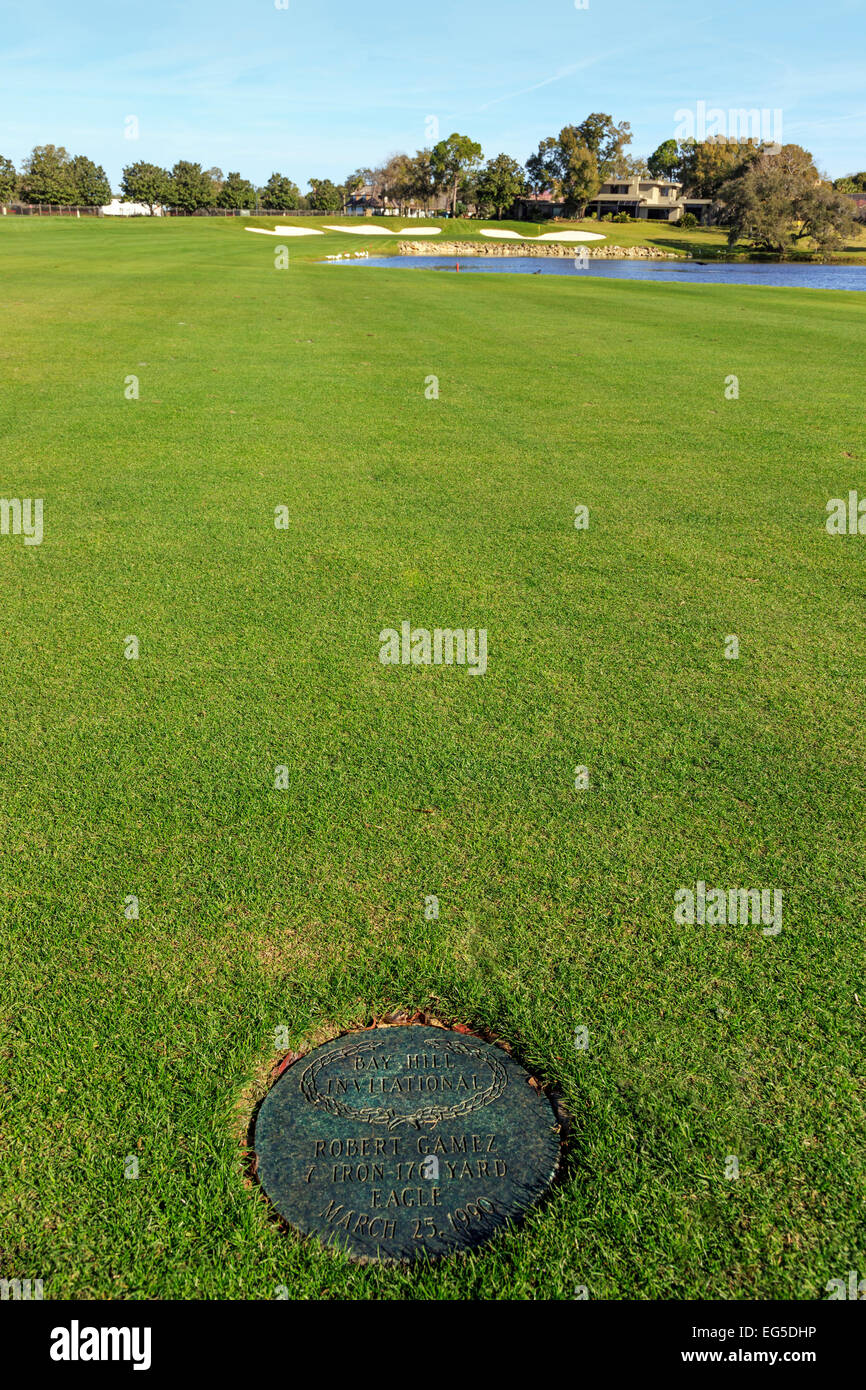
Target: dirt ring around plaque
x=405 y=1141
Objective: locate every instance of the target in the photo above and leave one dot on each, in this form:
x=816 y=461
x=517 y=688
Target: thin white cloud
x=659 y=40
x=546 y=82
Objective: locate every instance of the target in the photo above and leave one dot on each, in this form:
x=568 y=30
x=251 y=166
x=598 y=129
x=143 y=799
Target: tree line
x=51 y=175
x=765 y=194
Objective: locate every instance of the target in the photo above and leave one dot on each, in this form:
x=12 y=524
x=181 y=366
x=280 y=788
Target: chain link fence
x=60 y=210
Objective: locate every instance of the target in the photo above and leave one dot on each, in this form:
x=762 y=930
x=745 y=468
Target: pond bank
x=534 y=248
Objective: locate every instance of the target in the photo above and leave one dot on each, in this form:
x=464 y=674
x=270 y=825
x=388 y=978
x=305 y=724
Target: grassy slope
x=259 y=647
x=704 y=243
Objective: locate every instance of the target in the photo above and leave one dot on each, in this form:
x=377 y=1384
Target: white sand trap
x=569 y=236
x=285 y=231
x=420 y=231
x=545 y=236
x=369 y=230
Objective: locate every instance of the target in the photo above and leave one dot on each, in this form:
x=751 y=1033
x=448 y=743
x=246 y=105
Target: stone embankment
x=534 y=248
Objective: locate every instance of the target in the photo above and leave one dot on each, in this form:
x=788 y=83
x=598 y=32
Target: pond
x=800 y=276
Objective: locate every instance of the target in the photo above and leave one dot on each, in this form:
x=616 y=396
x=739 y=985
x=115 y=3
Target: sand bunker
x=285 y=231
x=545 y=236
x=369 y=230
x=570 y=236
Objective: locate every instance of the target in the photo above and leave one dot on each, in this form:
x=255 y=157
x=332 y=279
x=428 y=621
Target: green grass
x=259 y=647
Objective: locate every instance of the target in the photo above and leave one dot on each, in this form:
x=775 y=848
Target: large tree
x=325 y=196
x=628 y=166
x=452 y=160
x=381 y=181
x=422 y=176
x=146 y=183
x=236 y=193
x=398 y=181
x=778 y=199
x=851 y=183
x=8 y=180
x=575 y=163
x=664 y=162
x=190 y=187
x=566 y=166
x=467 y=193
x=706 y=164
x=47 y=176
x=92 y=189
x=500 y=183
x=281 y=194
x=606 y=140
x=357 y=180
x=542 y=168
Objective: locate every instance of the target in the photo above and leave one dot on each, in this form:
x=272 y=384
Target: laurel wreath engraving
x=428 y=1114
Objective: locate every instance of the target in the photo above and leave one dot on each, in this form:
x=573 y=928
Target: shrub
x=689 y=220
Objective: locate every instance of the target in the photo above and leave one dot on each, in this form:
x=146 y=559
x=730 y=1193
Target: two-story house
x=657 y=200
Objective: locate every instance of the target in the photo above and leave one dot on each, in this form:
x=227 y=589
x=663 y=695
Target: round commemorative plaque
x=403 y=1141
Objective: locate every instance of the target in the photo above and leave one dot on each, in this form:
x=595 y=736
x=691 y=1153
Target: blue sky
x=324 y=86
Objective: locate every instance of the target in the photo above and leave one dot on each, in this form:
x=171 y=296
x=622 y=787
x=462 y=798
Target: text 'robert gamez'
x=445 y=646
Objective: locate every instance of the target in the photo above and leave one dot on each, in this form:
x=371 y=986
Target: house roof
x=368 y=195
